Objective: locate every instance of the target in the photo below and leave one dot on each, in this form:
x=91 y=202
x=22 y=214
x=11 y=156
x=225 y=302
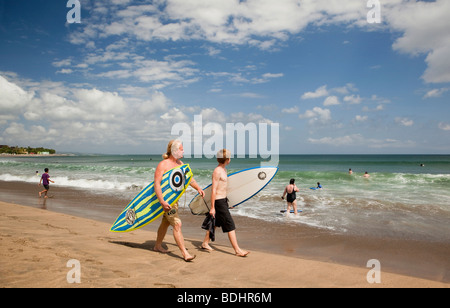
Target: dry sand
x=36 y=245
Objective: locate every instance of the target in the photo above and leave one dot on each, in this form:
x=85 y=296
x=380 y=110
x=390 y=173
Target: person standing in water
x=45 y=180
x=171 y=160
x=291 y=198
x=219 y=204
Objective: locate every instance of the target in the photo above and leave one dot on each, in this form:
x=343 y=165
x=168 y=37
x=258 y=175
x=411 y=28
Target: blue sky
x=118 y=81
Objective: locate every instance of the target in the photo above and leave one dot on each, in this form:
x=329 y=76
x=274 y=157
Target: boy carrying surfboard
x=219 y=204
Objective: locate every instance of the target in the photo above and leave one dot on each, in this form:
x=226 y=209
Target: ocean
x=406 y=196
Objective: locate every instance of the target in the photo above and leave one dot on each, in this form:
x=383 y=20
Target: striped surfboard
x=145 y=207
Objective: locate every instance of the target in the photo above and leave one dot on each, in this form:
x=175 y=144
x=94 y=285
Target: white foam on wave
x=63 y=181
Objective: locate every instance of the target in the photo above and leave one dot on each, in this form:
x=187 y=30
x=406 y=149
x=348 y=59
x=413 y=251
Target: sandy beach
x=39 y=238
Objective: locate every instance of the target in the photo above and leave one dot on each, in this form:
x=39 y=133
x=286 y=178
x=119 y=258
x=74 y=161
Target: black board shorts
x=223 y=216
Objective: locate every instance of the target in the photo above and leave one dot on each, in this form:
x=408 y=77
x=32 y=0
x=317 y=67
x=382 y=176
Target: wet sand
x=38 y=240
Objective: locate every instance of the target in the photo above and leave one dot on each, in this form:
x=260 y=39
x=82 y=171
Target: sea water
x=406 y=196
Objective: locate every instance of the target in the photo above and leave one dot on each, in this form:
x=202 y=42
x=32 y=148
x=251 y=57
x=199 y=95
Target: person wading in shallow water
x=45 y=180
x=171 y=160
x=291 y=199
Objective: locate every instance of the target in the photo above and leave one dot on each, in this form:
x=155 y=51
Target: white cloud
x=270 y=75
x=358 y=140
x=65 y=71
x=361 y=118
x=213 y=115
x=331 y=101
x=61 y=115
x=436 y=93
x=339 y=141
x=290 y=110
x=241 y=117
x=444 y=126
x=251 y=95
x=317 y=114
x=348 y=88
x=13 y=98
x=157 y=103
x=320 y=92
x=404 y=121
x=260 y=23
x=174 y=115
x=22 y=135
x=99 y=102
x=379 y=107
x=353 y=99
x=424 y=27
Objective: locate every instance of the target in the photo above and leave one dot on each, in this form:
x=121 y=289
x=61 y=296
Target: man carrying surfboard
x=219 y=204
x=171 y=160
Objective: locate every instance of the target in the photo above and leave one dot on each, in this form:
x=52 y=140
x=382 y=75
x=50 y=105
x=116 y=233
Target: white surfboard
x=242 y=186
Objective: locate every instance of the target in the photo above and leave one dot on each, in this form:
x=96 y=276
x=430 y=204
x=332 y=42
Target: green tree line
x=5 y=149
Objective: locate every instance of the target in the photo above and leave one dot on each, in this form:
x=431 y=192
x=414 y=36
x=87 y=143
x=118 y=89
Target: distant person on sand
x=171 y=160
x=45 y=180
x=291 y=198
x=219 y=204
x=366 y=175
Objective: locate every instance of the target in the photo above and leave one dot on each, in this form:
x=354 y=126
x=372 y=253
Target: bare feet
x=190 y=258
x=242 y=253
x=207 y=247
x=159 y=248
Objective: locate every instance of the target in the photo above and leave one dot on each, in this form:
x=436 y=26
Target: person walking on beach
x=291 y=198
x=171 y=160
x=45 y=180
x=219 y=205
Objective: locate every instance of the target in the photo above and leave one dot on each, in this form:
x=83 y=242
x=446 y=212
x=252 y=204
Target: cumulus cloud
x=331 y=101
x=352 y=99
x=266 y=24
x=361 y=141
x=404 y=121
x=360 y=118
x=320 y=92
x=87 y=116
x=444 y=126
x=317 y=115
x=424 y=27
x=436 y=93
x=338 y=141
x=13 y=98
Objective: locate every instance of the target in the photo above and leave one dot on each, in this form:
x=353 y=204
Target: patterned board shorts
x=172 y=216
